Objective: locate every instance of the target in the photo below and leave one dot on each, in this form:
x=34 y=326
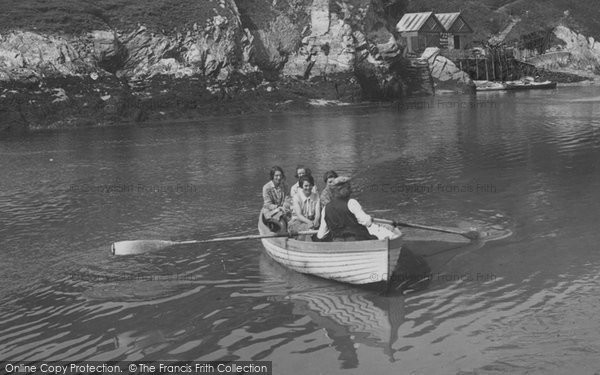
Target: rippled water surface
x=521 y=167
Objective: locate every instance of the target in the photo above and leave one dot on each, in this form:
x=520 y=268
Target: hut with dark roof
x=458 y=32
x=419 y=31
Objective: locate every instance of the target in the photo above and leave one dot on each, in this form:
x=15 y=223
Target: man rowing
x=343 y=218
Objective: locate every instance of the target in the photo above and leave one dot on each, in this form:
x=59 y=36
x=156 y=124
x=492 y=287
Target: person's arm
x=294 y=190
x=361 y=216
x=325 y=197
x=317 y=220
x=298 y=210
x=323 y=230
x=268 y=202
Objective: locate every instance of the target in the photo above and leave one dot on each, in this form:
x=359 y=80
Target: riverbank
x=85 y=102
x=76 y=102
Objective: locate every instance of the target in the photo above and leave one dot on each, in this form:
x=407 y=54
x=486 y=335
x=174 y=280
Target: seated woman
x=306 y=207
x=328 y=178
x=276 y=204
x=301 y=171
x=343 y=218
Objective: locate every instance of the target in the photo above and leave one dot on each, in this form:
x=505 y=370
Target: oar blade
x=138 y=247
x=471 y=234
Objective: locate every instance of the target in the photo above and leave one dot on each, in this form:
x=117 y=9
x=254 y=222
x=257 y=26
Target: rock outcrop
x=27 y=55
x=212 y=49
x=584 y=52
x=446 y=75
x=329 y=49
x=327 y=43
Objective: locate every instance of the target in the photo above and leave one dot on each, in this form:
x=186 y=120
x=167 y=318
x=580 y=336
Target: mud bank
x=78 y=102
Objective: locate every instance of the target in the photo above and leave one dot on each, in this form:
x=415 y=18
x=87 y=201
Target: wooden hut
x=419 y=31
x=457 y=31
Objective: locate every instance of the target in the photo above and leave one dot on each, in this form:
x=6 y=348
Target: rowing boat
x=353 y=262
x=513 y=85
x=527 y=85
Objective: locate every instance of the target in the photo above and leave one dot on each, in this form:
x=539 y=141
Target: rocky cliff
x=584 y=52
x=112 y=70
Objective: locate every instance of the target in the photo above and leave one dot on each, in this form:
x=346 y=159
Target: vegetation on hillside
x=489 y=17
x=81 y=16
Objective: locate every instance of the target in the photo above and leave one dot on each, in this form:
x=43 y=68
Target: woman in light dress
x=276 y=205
x=306 y=206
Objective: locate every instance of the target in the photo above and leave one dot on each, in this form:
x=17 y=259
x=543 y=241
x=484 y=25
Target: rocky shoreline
x=76 y=102
x=270 y=57
x=80 y=102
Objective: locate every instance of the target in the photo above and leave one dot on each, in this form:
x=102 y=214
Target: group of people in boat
x=336 y=216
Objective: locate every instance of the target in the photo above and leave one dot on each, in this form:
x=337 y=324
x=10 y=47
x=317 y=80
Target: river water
x=522 y=167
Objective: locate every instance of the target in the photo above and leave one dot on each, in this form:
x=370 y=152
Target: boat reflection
x=349 y=315
x=352 y=316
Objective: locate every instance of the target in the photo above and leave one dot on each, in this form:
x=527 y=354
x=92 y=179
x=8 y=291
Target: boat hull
x=354 y=262
x=512 y=86
x=532 y=86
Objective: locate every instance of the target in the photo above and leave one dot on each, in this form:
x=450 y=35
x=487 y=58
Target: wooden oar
x=148 y=246
x=470 y=234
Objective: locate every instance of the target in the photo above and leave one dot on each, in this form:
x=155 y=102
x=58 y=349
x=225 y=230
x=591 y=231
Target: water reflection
x=349 y=316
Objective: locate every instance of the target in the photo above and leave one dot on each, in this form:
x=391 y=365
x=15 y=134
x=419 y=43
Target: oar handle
x=147 y=246
x=466 y=233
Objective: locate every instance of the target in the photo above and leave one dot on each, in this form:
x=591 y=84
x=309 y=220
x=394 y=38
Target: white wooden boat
x=354 y=262
x=513 y=85
x=529 y=85
x=489 y=86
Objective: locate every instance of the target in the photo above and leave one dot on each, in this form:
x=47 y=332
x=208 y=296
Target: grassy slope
x=80 y=16
x=490 y=16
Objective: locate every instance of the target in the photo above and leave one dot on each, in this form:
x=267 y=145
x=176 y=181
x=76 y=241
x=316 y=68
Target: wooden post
x=506 y=65
x=508 y=70
x=501 y=69
x=493 y=66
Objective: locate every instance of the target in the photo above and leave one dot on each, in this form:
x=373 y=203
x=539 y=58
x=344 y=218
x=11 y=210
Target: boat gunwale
x=334 y=247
